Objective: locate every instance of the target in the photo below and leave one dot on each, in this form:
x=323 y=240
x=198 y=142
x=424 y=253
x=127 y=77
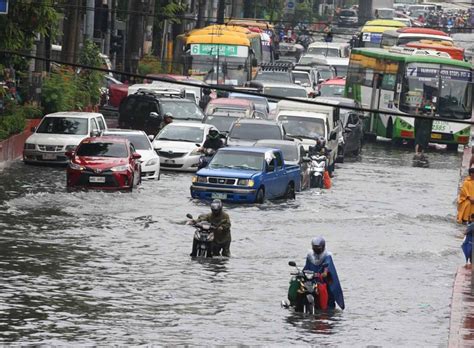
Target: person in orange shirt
x=466 y=199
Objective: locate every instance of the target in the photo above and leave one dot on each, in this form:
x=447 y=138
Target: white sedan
x=150 y=161
x=177 y=145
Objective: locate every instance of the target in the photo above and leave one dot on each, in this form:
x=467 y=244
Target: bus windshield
x=219 y=70
x=448 y=88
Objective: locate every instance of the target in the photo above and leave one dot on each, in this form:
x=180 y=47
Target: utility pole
x=72 y=20
x=134 y=37
x=202 y=5
x=221 y=11
x=108 y=33
x=90 y=12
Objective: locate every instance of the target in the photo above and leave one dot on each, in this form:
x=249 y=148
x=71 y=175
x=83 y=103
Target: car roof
x=329 y=44
x=112 y=131
x=247 y=149
x=339 y=101
x=105 y=138
x=277 y=142
x=283 y=85
x=233 y=95
x=189 y=124
x=230 y=102
x=257 y=121
x=74 y=114
x=339 y=81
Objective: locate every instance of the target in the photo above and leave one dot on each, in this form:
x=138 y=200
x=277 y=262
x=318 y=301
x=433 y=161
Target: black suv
x=144 y=110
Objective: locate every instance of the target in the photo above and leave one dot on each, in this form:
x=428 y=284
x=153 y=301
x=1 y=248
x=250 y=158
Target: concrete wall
x=12 y=148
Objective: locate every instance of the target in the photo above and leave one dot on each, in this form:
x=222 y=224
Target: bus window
x=388 y=82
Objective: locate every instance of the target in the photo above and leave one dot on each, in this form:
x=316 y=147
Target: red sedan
x=105 y=162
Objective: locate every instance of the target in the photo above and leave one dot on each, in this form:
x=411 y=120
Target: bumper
x=104 y=181
x=35 y=156
x=185 y=164
x=236 y=195
x=150 y=172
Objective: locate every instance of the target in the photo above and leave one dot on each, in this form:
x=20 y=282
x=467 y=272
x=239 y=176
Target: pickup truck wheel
x=260 y=196
x=290 y=191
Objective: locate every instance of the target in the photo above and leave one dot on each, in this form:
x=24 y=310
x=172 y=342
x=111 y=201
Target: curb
x=461 y=323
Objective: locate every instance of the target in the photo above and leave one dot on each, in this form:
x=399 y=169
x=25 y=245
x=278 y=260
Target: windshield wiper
x=302 y=136
x=185 y=140
x=242 y=166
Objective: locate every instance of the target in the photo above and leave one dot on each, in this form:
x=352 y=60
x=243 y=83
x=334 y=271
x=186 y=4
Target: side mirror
x=69 y=154
x=33 y=129
x=156 y=147
x=151 y=137
x=189 y=216
x=136 y=155
x=292 y=263
x=333 y=135
x=154 y=115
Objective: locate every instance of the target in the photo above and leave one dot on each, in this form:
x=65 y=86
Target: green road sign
x=216 y=50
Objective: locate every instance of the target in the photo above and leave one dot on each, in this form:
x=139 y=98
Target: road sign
x=3 y=6
x=290 y=6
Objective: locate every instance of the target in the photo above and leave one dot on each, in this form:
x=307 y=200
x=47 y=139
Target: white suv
x=61 y=132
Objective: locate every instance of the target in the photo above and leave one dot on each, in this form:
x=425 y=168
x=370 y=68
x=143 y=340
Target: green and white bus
x=402 y=80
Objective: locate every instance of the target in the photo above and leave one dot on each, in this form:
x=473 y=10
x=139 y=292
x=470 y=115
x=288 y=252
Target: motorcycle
x=203 y=237
x=307 y=292
x=206 y=157
x=317 y=167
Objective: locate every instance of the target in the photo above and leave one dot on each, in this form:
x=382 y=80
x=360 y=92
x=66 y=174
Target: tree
x=23 y=22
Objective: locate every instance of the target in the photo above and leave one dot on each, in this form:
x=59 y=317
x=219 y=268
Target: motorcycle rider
x=167 y=119
x=222 y=237
x=319 y=148
x=319 y=260
x=213 y=141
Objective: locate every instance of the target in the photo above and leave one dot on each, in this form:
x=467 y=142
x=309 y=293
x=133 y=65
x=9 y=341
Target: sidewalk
x=461 y=326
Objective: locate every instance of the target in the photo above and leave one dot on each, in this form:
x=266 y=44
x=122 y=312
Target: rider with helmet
x=167 y=119
x=319 y=148
x=319 y=260
x=222 y=237
x=213 y=141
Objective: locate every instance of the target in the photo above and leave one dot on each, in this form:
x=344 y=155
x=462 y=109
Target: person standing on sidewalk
x=466 y=199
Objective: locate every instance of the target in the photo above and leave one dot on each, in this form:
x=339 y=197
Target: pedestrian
x=466 y=199
x=423 y=127
x=466 y=245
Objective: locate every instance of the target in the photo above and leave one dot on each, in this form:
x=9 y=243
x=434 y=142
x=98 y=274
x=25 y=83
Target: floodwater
x=114 y=268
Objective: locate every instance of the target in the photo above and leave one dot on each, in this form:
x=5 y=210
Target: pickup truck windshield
x=116 y=150
x=63 y=125
x=253 y=131
x=237 y=160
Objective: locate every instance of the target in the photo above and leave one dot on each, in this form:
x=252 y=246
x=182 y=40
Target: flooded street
x=114 y=268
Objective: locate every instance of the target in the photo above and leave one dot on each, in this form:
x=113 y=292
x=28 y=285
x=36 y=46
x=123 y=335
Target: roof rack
x=284 y=66
x=418 y=52
x=163 y=92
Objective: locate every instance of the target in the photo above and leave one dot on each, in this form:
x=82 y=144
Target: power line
x=227 y=89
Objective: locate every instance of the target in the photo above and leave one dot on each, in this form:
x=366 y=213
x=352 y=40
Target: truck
x=367 y=8
x=246 y=175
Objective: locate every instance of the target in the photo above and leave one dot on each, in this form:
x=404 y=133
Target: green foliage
x=12 y=124
x=57 y=93
x=90 y=81
x=24 y=20
x=150 y=65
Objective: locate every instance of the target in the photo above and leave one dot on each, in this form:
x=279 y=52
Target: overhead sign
x=219 y=50
x=3 y=6
x=290 y=6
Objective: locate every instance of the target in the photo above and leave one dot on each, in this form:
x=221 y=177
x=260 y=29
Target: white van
x=309 y=121
x=61 y=132
x=329 y=49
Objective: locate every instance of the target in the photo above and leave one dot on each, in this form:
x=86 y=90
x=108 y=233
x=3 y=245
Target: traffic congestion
x=287 y=136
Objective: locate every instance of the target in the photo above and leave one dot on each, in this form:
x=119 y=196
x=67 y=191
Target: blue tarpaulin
x=3 y=6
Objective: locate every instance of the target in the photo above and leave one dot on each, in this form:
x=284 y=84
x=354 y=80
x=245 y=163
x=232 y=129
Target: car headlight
x=75 y=166
x=70 y=147
x=29 y=146
x=200 y=179
x=120 y=168
x=152 y=162
x=246 y=182
x=195 y=152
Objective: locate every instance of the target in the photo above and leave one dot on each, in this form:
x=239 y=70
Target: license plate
x=169 y=161
x=48 y=156
x=219 y=195
x=435 y=136
x=97 y=179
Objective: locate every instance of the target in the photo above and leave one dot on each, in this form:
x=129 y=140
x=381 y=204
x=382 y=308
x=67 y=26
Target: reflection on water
x=114 y=268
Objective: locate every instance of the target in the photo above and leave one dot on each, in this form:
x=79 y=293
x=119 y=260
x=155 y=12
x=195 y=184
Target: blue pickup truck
x=246 y=175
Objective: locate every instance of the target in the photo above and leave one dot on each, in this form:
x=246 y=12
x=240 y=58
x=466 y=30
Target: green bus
x=406 y=80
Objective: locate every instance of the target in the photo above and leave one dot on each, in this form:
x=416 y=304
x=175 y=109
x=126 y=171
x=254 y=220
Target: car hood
x=174 y=146
x=228 y=173
x=147 y=155
x=100 y=162
x=240 y=142
x=55 y=139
